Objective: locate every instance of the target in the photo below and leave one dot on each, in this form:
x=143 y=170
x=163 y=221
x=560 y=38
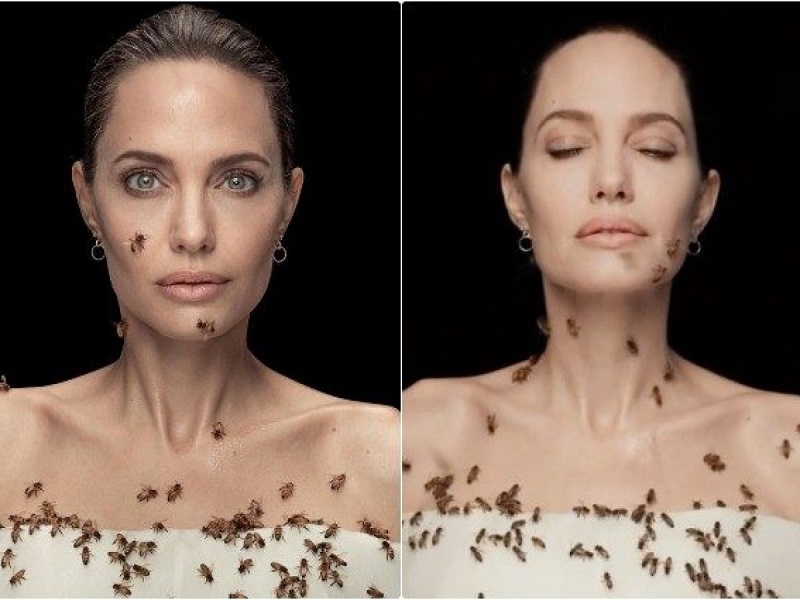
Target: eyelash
x=255 y=179
x=565 y=153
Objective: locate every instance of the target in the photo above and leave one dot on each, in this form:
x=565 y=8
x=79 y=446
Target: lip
x=192 y=286
x=611 y=227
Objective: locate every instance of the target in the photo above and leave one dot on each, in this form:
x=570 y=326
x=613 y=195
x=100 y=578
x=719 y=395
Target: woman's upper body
x=609 y=189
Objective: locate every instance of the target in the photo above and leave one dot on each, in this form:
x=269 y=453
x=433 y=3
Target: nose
x=611 y=181
x=192 y=227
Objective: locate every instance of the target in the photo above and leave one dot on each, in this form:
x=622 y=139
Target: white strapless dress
x=460 y=564
x=54 y=568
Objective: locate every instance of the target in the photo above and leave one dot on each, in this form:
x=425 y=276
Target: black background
x=330 y=317
x=469 y=297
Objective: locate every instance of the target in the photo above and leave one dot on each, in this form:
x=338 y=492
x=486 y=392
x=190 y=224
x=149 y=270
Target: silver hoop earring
x=280 y=253
x=525 y=243
x=694 y=247
x=98 y=252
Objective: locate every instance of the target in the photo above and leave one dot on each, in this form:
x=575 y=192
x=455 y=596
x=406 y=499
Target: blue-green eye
x=143 y=181
x=241 y=182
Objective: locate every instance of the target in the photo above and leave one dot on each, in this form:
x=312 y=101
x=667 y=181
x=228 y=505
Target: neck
x=605 y=353
x=179 y=389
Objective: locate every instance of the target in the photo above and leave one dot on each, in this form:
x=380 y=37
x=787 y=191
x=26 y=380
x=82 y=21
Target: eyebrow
x=638 y=120
x=218 y=163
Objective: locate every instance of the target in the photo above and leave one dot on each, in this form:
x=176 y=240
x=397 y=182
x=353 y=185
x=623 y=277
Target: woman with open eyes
x=187 y=467
x=608 y=464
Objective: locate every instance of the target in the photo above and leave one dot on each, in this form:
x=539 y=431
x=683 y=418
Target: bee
x=386 y=546
x=473 y=474
x=299 y=521
x=669 y=372
x=374 y=592
x=721 y=543
x=237 y=594
x=310 y=546
x=140 y=571
x=331 y=530
x=33 y=489
x=491 y=423
x=415 y=520
x=633 y=347
x=436 y=536
x=483 y=504
x=543 y=325
x=786 y=449
x=581 y=511
x=207 y=326
x=714 y=462
x=697 y=505
x=77 y=542
x=668 y=520
x=672 y=247
x=337 y=483
x=642 y=542
x=174 y=492
x=691 y=572
x=130 y=547
x=797 y=429
x=520 y=554
x=479 y=537
x=137 y=242
x=668 y=566
x=121 y=327
x=518 y=537
x=146 y=548
x=5 y=561
x=538 y=542
x=333 y=558
x=601 y=511
x=602 y=552
x=159 y=527
x=703 y=567
x=520 y=374
x=748 y=507
x=85 y=555
x=653 y=567
x=748 y=495
x=721 y=504
x=467 y=510
x=572 y=327
x=206 y=573
x=218 y=430
x=771 y=593
x=476 y=553
x=121 y=590
x=406 y=465
x=730 y=554
x=17 y=578
x=286 y=490
x=536 y=515
x=638 y=513
x=656 y=393
x=651 y=496
x=117 y=557
x=658 y=273
x=336 y=579
x=750 y=522
x=607 y=580
x=423 y=538
x=148 y=493
x=279 y=568
x=647 y=559
x=4 y=387
x=245 y=564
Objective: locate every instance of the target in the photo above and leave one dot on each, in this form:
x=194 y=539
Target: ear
x=706 y=201
x=85 y=199
x=295 y=187
x=515 y=203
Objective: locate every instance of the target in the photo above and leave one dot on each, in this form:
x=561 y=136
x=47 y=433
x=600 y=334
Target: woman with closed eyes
x=188 y=467
x=608 y=464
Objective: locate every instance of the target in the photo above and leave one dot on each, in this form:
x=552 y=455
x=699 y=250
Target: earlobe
x=515 y=205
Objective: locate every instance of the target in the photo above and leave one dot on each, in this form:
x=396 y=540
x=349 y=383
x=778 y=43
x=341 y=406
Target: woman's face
x=188 y=180
x=609 y=182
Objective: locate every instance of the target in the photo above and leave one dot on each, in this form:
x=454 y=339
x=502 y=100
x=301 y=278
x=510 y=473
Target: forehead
x=611 y=74
x=174 y=104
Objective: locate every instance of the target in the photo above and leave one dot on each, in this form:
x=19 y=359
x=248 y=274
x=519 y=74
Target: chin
x=610 y=281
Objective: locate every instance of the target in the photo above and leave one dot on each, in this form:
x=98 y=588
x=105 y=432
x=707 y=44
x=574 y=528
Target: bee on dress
x=638 y=513
x=146 y=548
x=633 y=347
x=374 y=592
x=536 y=515
x=473 y=474
x=140 y=571
x=4 y=387
x=691 y=572
x=668 y=566
x=337 y=483
x=121 y=327
x=279 y=568
x=286 y=490
x=85 y=555
x=750 y=522
x=121 y=590
x=302 y=568
x=656 y=393
x=786 y=448
x=672 y=247
x=206 y=573
x=581 y=511
x=697 y=505
x=137 y=242
x=299 y=521
x=237 y=594
x=245 y=564
x=386 y=546
x=116 y=557
x=331 y=530
x=668 y=520
x=207 y=326
x=436 y=536
x=729 y=552
x=520 y=554
x=602 y=552
x=658 y=273
x=423 y=538
x=174 y=492
x=476 y=553
x=33 y=489
x=573 y=328
x=607 y=580
x=148 y=493
x=310 y=546
x=538 y=542
x=491 y=423
x=159 y=527
x=336 y=579
x=480 y=535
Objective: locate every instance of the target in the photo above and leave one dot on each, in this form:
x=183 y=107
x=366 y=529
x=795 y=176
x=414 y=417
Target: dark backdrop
x=469 y=298
x=330 y=316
